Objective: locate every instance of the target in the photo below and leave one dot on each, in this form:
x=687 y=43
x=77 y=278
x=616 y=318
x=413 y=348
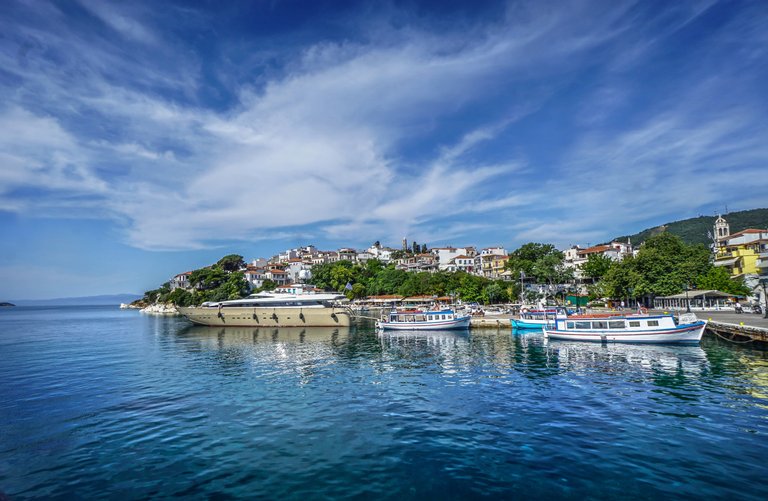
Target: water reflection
x=672 y=360
x=436 y=337
x=224 y=336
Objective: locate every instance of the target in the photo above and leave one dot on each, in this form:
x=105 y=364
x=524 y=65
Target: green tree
x=357 y=292
x=342 y=273
x=717 y=278
x=471 y=288
x=415 y=284
x=596 y=266
x=181 y=297
x=231 y=262
x=208 y=278
x=268 y=285
x=494 y=293
x=525 y=260
x=321 y=275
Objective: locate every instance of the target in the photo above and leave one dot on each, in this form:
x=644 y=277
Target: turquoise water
x=102 y=403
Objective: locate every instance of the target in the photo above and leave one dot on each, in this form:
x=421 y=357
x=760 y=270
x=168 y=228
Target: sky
x=143 y=139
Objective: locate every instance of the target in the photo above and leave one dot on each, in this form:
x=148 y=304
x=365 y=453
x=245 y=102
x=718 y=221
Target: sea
x=103 y=403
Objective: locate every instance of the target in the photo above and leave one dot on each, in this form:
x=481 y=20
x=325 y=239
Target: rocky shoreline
x=151 y=309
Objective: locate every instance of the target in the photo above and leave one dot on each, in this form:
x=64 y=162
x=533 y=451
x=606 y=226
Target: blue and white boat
x=536 y=319
x=423 y=320
x=629 y=329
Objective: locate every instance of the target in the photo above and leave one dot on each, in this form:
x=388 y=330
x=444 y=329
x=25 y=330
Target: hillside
x=694 y=230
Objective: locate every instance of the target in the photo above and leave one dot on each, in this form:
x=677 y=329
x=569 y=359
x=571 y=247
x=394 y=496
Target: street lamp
x=687 y=300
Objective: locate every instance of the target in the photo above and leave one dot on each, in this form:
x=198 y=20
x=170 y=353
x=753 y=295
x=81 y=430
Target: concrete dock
x=739 y=328
x=492 y=322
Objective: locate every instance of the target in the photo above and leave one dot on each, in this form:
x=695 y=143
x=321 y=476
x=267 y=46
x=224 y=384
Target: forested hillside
x=694 y=230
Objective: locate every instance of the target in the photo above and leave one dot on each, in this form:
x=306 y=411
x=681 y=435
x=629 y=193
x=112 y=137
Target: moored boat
x=536 y=319
x=629 y=329
x=273 y=310
x=423 y=320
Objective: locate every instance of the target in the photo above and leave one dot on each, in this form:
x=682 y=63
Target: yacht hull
x=268 y=317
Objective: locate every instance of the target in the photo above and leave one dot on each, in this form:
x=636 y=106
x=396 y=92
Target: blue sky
x=142 y=139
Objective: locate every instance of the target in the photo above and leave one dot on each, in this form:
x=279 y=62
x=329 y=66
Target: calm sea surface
x=101 y=403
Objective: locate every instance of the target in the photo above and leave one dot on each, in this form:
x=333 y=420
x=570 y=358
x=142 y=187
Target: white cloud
x=324 y=141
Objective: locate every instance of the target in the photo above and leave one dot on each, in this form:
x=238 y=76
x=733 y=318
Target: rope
x=731 y=340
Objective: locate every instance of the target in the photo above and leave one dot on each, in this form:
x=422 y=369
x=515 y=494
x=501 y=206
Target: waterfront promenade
x=749 y=319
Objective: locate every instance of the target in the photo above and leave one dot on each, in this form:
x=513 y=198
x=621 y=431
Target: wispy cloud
x=408 y=130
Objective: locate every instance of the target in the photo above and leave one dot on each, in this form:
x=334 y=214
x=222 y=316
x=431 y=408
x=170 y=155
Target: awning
x=726 y=262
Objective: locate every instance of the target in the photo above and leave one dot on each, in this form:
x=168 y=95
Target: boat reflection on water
x=252 y=335
x=434 y=337
x=670 y=359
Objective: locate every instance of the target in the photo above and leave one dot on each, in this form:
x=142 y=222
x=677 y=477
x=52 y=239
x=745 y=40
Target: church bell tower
x=722 y=230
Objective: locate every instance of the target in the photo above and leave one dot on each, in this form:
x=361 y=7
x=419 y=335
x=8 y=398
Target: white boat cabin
x=640 y=323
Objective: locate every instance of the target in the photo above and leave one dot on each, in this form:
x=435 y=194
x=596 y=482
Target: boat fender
x=334 y=317
x=256 y=317
x=274 y=317
x=220 y=315
x=301 y=316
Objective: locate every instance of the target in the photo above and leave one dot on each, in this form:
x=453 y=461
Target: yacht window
x=569 y=325
x=600 y=325
x=582 y=325
x=634 y=323
x=653 y=323
x=616 y=324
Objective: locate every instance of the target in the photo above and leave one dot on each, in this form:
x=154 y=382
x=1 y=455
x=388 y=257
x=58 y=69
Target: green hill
x=694 y=230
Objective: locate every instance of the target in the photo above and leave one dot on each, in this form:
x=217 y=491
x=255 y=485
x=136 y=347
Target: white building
x=383 y=254
x=446 y=256
x=180 y=281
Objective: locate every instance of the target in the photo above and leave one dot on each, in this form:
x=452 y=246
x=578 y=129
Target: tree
x=525 y=258
x=358 y=291
x=471 y=288
x=208 y=278
x=231 y=262
x=717 y=278
x=494 y=293
x=268 y=285
x=321 y=275
x=596 y=266
x=342 y=273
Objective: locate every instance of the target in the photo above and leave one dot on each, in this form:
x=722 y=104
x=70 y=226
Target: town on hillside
x=733 y=266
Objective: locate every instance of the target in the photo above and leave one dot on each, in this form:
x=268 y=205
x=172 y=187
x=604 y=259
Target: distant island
x=105 y=300
x=6 y=304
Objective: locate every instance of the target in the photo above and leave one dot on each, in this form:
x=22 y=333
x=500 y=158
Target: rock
x=160 y=309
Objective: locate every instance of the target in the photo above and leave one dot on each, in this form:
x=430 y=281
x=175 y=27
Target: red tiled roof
x=748 y=230
x=596 y=248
